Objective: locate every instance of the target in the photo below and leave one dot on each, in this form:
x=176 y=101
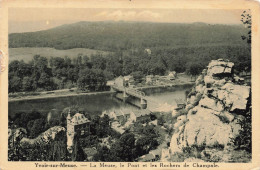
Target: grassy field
x=26 y=53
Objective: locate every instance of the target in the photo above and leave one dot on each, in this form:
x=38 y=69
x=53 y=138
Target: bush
x=244 y=139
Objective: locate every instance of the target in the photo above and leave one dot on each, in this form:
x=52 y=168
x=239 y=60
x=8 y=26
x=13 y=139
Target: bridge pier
x=143 y=103
x=125 y=96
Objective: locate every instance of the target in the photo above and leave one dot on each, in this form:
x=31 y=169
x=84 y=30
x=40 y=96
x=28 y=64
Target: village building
x=143 y=116
x=120 y=81
x=180 y=103
x=171 y=75
x=148 y=51
x=129 y=81
x=126 y=81
x=151 y=79
x=117 y=127
x=110 y=82
x=78 y=124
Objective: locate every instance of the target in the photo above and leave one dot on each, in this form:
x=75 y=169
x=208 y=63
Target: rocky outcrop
x=15 y=135
x=214 y=107
x=45 y=138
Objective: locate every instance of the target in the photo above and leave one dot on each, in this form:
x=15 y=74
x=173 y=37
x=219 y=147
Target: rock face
x=15 y=135
x=45 y=138
x=213 y=109
x=55 y=140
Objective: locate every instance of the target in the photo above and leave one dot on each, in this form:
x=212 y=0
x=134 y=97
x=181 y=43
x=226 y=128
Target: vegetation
x=247 y=21
x=129 y=146
x=57 y=73
x=126 y=147
x=128 y=35
x=244 y=140
x=174 y=47
x=92 y=72
x=27 y=53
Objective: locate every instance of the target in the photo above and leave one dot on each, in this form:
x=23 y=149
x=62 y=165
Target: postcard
x=129 y=84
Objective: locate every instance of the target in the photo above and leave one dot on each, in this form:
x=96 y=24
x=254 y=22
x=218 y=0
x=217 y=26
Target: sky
x=36 y=19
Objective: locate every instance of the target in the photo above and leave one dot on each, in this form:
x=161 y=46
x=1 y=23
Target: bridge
x=132 y=92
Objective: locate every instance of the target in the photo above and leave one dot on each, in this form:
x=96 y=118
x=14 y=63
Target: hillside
x=27 y=53
x=112 y=36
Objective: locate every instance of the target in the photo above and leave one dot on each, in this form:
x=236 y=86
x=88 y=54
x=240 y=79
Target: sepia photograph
x=91 y=84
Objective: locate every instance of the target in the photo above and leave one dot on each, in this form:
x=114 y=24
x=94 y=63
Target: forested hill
x=113 y=36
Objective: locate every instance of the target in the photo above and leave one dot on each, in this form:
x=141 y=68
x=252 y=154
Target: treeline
x=92 y=72
x=42 y=74
x=115 y=36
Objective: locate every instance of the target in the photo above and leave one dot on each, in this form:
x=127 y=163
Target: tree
x=138 y=76
x=194 y=69
x=27 y=84
x=145 y=144
x=15 y=84
x=85 y=79
x=105 y=155
x=91 y=79
x=77 y=153
x=44 y=80
x=114 y=66
x=36 y=127
x=98 y=62
x=125 y=148
x=247 y=21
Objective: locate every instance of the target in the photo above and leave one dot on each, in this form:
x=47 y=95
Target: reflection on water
x=96 y=104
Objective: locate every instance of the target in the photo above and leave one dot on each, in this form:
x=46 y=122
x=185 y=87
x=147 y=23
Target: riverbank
x=74 y=92
x=162 y=87
x=53 y=94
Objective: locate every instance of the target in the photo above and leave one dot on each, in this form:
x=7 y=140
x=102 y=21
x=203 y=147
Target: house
x=112 y=115
x=126 y=81
x=149 y=79
x=119 y=116
x=127 y=78
x=129 y=81
x=117 y=127
x=110 y=83
x=77 y=124
x=119 y=81
x=143 y=115
x=148 y=51
x=171 y=75
x=180 y=103
x=132 y=116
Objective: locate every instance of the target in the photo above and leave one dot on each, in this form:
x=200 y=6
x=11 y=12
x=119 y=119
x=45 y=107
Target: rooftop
x=78 y=119
x=140 y=113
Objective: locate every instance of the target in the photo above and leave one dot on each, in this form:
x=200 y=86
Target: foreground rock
x=214 y=107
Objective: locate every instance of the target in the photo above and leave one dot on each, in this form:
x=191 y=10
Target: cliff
x=45 y=138
x=215 y=106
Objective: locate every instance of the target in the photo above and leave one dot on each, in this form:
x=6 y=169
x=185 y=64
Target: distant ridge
x=123 y=35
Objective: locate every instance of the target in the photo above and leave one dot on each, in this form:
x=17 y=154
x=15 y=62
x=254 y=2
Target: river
x=96 y=104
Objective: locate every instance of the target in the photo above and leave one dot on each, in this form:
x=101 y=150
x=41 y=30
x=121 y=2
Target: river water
x=96 y=104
